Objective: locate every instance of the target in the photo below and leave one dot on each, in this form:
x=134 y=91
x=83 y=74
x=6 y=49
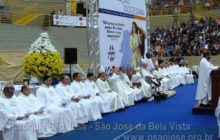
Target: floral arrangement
x=43 y=59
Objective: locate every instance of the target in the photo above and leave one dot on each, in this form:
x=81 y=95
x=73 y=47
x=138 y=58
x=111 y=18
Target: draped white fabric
x=80 y=91
x=63 y=117
x=66 y=106
x=204 y=82
x=43 y=121
x=113 y=97
x=66 y=94
x=118 y=86
x=22 y=129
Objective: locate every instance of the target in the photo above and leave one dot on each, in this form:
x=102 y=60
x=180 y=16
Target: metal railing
x=168 y=10
x=12 y=11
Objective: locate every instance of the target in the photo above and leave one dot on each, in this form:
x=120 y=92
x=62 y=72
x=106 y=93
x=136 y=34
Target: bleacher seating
x=23 y=12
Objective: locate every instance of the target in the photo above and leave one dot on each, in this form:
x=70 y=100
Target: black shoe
x=42 y=138
x=202 y=105
x=119 y=110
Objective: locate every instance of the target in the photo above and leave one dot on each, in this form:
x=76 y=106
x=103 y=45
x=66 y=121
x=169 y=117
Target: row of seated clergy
x=55 y=110
x=20 y=123
x=61 y=109
x=167 y=77
x=127 y=94
x=170 y=76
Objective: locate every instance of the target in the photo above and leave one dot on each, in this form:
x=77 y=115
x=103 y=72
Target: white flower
x=42 y=44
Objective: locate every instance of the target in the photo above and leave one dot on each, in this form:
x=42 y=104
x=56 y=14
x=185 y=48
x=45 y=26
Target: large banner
x=61 y=20
x=122 y=31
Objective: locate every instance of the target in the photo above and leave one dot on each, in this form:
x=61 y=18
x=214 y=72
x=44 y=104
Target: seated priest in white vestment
x=187 y=72
x=163 y=69
x=42 y=119
x=203 y=93
x=63 y=117
x=24 y=128
x=149 y=62
x=65 y=92
x=174 y=72
x=7 y=120
x=103 y=102
x=171 y=82
x=114 y=99
x=173 y=75
x=164 y=86
x=81 y=91
x=118 y=86
x=125 y=79
x=138 y=81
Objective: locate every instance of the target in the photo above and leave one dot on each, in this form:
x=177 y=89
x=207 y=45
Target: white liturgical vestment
x=64 y=117
x=115 y=100
x=204 y=82
x=23 y=129
x=66 y=94
x=104 y=104
x=80 y=91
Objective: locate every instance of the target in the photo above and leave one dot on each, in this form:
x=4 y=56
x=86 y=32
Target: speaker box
x=70 y=55
x=79 y=8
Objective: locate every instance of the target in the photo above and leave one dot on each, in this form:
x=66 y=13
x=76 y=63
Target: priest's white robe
x=23 y=129
x=3 y=119
x=177 y=73
x=80 y=91
x=188 y=75
x=217 y=114
x=125 y=79
x=104 y=104
x=66 y=93
x=63 y=117
x=114 y=99
x=166 y=83
x=150 y=64
x=145 y=87
x=117 y=85
x=43 y=121
x=174 y=76
x=7 y=121
x=204 y=82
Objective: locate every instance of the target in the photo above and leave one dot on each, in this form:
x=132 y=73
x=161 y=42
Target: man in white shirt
x=118 y=86
x=66 y=94
x=186 y=72
x=174 y=73
x=42 y=119
x=164 y=76
x=203 y=93
x=150 y=77
x=104 y=104
x=62 y=114
x=114 y=99
x=125 y=79
x=148 y=61
x=7 y=120
x=24 y=128
x=81 y=92
x=138 y=81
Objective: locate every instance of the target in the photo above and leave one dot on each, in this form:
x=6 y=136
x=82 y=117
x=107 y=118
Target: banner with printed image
x=122 y=31
x=61 y=20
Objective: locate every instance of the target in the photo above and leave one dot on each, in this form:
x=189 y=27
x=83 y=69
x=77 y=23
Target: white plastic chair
x=196 y=69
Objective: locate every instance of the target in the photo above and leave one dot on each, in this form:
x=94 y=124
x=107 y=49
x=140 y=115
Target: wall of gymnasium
x=19 y=38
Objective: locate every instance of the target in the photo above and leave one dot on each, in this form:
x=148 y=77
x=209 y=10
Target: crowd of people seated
x=188 y=39
x=68 y=105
